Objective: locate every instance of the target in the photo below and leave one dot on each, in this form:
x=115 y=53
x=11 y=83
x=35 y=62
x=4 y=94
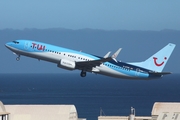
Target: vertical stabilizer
x=157 y=61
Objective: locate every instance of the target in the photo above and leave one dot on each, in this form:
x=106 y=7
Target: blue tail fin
x=157 y=61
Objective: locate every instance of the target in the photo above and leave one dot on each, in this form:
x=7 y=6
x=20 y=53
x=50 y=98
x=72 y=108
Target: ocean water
x=90 y=94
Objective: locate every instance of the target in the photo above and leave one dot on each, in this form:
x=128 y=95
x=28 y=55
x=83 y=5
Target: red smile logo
x=158 y=64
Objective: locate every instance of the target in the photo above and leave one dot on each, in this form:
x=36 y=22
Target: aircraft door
x=26 y=45
x=137 y=72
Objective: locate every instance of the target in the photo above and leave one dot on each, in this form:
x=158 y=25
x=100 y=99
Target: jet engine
x=67 y=64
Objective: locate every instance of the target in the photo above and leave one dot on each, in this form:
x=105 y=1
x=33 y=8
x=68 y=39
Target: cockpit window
x=15 y=42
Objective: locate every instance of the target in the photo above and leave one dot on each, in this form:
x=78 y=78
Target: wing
x=88 y=65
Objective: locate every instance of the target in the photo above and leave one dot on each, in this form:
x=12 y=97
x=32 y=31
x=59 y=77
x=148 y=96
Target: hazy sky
x=96 y=14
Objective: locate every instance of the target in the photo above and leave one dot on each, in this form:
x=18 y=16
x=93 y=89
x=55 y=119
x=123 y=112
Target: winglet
x=116 y=53
x=114 y=56
x=107 y=55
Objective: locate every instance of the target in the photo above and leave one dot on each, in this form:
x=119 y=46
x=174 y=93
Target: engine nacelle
x=67 y=64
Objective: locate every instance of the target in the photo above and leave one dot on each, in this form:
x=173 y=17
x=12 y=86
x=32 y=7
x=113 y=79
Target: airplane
x=108 y=65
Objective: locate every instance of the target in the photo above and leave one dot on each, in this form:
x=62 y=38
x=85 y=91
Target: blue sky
x=96 y=14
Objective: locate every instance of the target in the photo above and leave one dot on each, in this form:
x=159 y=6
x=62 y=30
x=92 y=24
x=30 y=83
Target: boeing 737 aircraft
x=107 y=65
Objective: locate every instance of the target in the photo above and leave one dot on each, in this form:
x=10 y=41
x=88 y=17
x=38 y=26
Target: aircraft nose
x=8 y=44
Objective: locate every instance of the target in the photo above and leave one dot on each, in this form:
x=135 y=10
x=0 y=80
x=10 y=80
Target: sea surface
x=90 y=94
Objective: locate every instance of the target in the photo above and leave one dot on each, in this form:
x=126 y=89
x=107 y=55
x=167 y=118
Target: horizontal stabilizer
x=159 y=73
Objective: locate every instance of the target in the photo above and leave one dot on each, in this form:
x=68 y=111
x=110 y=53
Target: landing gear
x=83 y=73
x=18 y=58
